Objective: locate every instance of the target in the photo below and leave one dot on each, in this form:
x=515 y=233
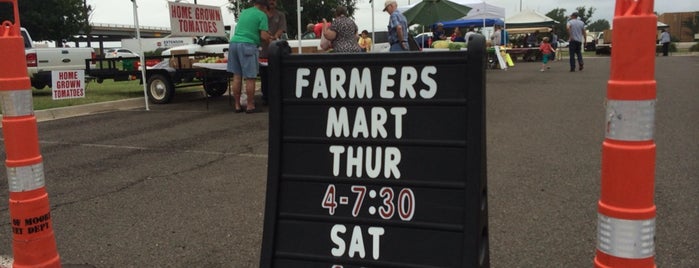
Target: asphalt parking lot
x=183 y=185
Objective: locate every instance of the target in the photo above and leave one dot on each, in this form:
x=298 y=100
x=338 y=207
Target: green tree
x=599 y=25
x=559 y=15
x=54 y=20
x=313 y=11
x=585 y=14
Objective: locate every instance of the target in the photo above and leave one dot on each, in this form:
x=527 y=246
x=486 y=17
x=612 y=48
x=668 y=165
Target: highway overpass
x=103 y=32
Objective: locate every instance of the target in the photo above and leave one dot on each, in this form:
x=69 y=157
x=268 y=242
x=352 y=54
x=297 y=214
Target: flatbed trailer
x=163 y=78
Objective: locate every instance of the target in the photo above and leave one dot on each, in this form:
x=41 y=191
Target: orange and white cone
x=33 y=241
x=626 y=212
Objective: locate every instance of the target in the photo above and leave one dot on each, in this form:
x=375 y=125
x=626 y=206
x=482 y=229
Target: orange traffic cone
x=626 y=212
x=33 y=242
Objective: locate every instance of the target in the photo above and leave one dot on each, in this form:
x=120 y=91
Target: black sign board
x=377 y=160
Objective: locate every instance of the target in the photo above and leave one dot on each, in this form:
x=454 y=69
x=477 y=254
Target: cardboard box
x=306 y=50
x=180 y=62
x=607 y=36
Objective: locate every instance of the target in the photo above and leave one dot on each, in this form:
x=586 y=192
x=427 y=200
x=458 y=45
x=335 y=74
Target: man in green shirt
x=243 y=54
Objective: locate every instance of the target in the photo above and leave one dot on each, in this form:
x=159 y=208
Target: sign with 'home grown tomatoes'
x=195 y=20
x=376 y=160
x=68 y=84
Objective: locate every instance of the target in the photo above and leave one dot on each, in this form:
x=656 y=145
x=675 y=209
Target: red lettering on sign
x=68 y=84
x=207 y=14
x=192 y=26
x=67 y=75
x=181 y=12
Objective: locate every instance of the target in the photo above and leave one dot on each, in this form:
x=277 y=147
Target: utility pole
x=88 y=29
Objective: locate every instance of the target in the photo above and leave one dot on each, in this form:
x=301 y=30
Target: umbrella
x=428 y=12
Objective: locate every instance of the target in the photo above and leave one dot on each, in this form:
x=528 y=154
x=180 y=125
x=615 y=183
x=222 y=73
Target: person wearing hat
x=439 y=34
x=576 y=41
x=243 y=54
x=397 y=27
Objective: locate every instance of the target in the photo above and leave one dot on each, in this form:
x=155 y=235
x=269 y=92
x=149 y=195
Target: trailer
x=164 y=74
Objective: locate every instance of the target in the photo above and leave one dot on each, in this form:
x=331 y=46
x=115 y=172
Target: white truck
x=155 y=44
x=603 y=42
x=41 y=61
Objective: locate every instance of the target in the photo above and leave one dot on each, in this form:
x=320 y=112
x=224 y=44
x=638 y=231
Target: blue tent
x=470 y=22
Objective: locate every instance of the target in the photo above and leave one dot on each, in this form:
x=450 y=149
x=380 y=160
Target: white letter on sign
x=357 y=243
x=319 y=86
x=340 y=249
x=378 y=120
x=300 y=82
x=387 y=82
x=408 y=78
x=338 y=123
x=338 y=77
x=431 y=84
x=360 y=124
x=376 y=233
x=360 y=85
x=399 y=112
x=337 y=151
x=391 y=161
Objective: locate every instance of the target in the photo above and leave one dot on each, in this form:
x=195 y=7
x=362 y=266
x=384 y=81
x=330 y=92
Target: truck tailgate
x=62 y=58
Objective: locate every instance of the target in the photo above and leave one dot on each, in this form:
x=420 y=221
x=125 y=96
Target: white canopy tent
x=480 y=9
x=529 y=19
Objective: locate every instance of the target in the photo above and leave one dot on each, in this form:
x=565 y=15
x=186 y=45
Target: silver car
x=119 y=53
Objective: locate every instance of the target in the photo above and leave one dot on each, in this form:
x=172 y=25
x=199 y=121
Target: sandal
x=238 y=110
x=249 y=111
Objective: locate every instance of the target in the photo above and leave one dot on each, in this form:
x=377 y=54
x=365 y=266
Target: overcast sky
x=154 y=12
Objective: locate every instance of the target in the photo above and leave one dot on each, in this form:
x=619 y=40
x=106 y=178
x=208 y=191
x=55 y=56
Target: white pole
x=483 y=13
x=298 y=21
x=373 y=29
x=140 y=47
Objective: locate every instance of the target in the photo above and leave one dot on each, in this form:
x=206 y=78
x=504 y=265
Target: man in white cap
x=397 y=27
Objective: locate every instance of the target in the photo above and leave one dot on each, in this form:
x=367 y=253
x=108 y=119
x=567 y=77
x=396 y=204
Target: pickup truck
x=604 y=42
x=204 y=45
x=41 y=61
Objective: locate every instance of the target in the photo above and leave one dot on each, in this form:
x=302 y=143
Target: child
x=547 y=51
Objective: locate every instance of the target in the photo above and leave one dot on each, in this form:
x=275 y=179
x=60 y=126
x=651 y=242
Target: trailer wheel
x=160 y=89
x=216 y=86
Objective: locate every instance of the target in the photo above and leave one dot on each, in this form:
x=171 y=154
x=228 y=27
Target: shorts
x=243 y=59
x=547 y=57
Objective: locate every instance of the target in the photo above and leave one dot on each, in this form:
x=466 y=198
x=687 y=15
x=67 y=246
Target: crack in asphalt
x=141 y=148
x=222 y=156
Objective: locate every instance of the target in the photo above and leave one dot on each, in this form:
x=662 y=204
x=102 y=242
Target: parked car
x=590 y=41
x=119 y=53
x=562 y=43
x=423 y=39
